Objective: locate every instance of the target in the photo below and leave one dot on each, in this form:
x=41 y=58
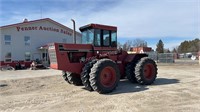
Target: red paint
x=13 y=63
x=63 y=53
x=73 y=57
x=43 y=28
x=149 y=71
x=108 y=77
x=139 y=49
x=122 y=65
x=98 y=26
x=54 y=66
x=17 y=25
x=63 y=61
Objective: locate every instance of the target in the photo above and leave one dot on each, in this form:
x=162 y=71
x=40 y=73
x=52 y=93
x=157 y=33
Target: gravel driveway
x=20 y=74
x=176 y=89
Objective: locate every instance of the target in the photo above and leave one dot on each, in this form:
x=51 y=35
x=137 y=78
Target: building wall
x=39 y=36
x=141 y=49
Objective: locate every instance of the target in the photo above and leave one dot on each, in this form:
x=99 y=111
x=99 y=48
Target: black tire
x=85 y=74
x=104 y=76
x=64 y=74
x=74 y=79
x=130 y=72
x=146 y=71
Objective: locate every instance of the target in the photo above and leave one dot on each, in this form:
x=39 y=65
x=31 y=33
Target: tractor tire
x=130 y=72
x=104 y=76
x=146 y=71
x=74 y=79
x=64 y=74
x=85 y=74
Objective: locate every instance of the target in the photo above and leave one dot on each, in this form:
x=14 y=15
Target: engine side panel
x=69 y=57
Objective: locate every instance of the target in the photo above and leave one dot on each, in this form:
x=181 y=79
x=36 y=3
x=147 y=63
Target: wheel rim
x=149 y=71
x=108 y=77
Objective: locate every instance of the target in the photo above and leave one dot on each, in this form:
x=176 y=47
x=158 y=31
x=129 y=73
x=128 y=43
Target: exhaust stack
x=74 y=31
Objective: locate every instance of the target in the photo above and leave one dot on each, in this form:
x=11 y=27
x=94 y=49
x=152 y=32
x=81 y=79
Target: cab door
x=105 y=42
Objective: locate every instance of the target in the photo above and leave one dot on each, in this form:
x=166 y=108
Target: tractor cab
x=99 y=35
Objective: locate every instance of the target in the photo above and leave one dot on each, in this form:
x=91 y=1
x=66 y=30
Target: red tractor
x=97 y=63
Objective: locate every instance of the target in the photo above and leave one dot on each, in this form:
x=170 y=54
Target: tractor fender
x=134 y=57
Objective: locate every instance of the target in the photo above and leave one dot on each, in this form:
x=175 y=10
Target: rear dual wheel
x=130 y=72
x=143 y=71
x=146 y=71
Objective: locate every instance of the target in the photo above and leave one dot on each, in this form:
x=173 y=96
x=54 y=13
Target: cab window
x=113 y=39
x=106 y=38
x=97 y=37
x=88 y=36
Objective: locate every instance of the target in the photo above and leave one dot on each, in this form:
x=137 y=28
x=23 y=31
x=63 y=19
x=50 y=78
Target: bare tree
x=134 y=43
x=119 y=45
x=127 y=45
x=139 y=43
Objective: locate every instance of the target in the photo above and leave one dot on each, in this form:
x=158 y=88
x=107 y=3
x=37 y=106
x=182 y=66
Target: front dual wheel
x=104 y=76
x=72 y=78
x=99 y=75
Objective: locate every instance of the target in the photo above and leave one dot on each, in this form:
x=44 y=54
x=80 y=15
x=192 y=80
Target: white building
x=26 y=41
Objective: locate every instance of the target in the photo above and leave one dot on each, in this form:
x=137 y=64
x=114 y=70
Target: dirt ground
x=177 y=89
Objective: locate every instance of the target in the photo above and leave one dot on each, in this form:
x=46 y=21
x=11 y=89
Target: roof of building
x=25 y=22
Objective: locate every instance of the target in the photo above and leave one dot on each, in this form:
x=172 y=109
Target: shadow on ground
x=3 y=85
x=125 y=86
x=164 y=81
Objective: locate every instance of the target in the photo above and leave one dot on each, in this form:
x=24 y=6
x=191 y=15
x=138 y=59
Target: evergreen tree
x=189 y=46
x=160 y=46
x=174 y=50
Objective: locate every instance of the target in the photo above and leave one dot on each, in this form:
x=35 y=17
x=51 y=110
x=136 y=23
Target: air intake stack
x=74 y=31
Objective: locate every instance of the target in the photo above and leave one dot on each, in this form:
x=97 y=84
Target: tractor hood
x=69 y=57
x=74 y=47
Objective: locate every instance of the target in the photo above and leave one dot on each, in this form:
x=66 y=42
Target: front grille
x=52 y=56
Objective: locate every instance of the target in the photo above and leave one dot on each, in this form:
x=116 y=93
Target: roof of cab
x=98 y=26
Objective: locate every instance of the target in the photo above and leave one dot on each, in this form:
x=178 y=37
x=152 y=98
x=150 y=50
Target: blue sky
x=173 y=21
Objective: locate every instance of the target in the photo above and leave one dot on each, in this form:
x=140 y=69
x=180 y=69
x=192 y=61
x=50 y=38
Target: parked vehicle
x=97 y=63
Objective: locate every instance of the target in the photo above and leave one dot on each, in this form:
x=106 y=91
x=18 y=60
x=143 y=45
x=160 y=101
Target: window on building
x=114 y=39
x=106 y=38
x=44 y=56
x=27 y=40
x=7 y=39
x=8 y=57
x=27 y=56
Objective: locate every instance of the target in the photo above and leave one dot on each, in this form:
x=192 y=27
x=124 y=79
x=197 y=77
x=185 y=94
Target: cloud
x=134 y=18
x=143 y=19
x=153 y=19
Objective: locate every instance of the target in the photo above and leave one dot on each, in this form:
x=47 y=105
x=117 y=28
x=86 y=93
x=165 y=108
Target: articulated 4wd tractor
x=97 y=64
